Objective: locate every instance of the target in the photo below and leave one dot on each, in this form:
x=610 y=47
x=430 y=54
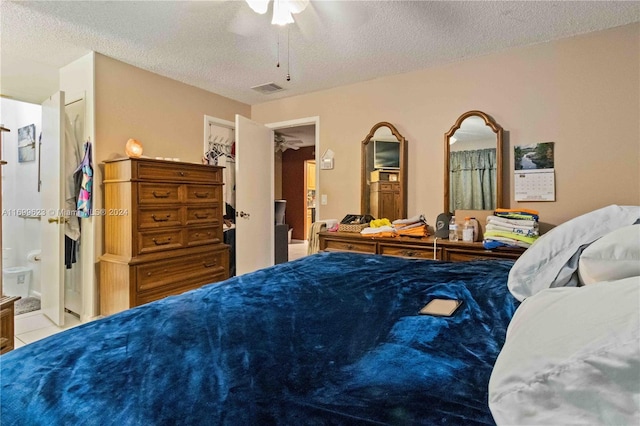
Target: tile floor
x=33 y=326
x=298 y=249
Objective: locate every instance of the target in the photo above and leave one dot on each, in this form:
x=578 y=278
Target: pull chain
x=288 y=56
x=278 y=51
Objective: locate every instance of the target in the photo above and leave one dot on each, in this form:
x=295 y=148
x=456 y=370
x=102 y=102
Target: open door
x=52 y=221
x=254 y=196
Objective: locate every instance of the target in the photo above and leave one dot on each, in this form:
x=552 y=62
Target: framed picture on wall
x=27 y=143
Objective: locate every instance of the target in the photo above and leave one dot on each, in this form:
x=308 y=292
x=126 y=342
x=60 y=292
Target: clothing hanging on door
x=84 y=174
x=72 y=160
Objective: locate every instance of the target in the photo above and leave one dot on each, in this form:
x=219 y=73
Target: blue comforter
x=330 y=339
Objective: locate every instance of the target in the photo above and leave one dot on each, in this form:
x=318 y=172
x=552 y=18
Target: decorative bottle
x=467 y=230
x=453 y=229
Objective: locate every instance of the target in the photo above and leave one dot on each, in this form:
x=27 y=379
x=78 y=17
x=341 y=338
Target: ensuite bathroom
x=23 y=212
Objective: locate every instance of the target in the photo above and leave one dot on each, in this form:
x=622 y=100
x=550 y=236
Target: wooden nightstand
x=7 y=315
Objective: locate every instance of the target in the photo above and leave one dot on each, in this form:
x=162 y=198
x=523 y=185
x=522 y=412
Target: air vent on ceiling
x=267 y=88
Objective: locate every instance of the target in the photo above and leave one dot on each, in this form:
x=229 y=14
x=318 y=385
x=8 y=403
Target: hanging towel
x=85 y=172
x=314 y=240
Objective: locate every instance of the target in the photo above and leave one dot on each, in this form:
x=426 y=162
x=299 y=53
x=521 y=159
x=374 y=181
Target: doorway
x=24 y=246
x=296 y=177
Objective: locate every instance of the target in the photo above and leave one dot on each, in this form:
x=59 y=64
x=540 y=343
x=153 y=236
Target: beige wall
x=165 y=115
x=582 y=93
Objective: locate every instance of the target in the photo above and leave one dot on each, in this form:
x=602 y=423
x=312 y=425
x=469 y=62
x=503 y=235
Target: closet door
x=52 y=220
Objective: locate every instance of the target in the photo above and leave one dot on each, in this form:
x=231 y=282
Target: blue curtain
x=472 y=180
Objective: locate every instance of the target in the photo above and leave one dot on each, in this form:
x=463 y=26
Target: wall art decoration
x=27 y=143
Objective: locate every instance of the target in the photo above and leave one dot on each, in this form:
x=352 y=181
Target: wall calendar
x=535 y=185
x=534 y=178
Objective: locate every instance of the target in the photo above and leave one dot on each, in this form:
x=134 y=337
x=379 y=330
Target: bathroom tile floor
x=34 y=326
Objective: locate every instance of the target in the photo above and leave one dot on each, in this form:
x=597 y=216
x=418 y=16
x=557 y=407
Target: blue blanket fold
x=330 y=339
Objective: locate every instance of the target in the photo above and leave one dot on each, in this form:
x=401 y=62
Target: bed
x=336 y=339
x=333 y=338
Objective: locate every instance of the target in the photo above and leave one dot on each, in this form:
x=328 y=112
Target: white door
x=254 y=196
x=52 y=222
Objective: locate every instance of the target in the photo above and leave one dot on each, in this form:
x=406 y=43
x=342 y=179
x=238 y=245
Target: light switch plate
x=323 y=199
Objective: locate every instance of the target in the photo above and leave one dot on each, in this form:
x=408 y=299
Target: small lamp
x=133 y=148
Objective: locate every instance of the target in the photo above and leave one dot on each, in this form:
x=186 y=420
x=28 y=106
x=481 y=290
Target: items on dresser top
x=169 y=236
x=511 y=227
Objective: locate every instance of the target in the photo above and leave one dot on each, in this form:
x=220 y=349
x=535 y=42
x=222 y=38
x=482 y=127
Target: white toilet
x=16 y=281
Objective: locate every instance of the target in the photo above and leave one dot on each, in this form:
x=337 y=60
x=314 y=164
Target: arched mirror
x=473 y=163
x=384 y=173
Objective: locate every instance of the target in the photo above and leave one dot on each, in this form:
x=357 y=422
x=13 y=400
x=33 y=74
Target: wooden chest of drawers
x=163 y=231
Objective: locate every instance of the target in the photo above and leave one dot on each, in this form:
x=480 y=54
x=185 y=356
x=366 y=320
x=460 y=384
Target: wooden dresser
x=162 y=231
x=422 y=248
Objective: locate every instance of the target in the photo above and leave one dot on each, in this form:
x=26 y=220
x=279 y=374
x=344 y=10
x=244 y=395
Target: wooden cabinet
x=311 y=174
x=163 y=231
x=385 y=200
x=421 y=248
x=7 y=316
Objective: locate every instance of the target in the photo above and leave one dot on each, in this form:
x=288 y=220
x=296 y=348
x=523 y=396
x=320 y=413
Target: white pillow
x=550 y=261
x=612 y=257
x=571 y=356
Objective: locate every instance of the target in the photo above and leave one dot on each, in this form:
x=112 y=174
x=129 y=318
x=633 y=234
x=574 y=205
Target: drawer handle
x=161 y=243
x=409 y=253
x=160 y=219
x=161 y=194
x=197 y=234
x=209 y=265
x=183 y=173
x=201 y=194
x=202 y=216
x=349 y=246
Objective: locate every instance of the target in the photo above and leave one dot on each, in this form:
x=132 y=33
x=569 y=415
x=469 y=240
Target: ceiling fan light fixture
x=282 y=9
x=259 y=6
x=281 y=13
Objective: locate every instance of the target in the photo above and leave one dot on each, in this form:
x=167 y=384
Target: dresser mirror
x=473 y=163
x=384 y=173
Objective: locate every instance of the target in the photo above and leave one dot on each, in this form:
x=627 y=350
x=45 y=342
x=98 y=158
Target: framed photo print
x=27 y=143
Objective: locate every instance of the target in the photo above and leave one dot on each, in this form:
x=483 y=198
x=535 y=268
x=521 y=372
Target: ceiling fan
x=282 y=143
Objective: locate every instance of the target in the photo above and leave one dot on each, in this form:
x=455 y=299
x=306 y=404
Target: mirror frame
x=497 y=129
x=402 y=176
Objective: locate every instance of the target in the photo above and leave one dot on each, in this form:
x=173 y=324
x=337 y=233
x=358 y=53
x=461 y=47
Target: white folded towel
x=511 y=222
x=370 y=230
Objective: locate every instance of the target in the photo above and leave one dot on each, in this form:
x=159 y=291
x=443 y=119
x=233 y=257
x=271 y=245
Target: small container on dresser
x=162 y=231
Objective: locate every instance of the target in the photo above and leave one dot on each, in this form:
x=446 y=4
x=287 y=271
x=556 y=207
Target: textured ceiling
x=226 y=48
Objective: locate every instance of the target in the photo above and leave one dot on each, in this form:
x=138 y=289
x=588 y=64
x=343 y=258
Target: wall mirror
x=473 y=163
x=384 y=173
